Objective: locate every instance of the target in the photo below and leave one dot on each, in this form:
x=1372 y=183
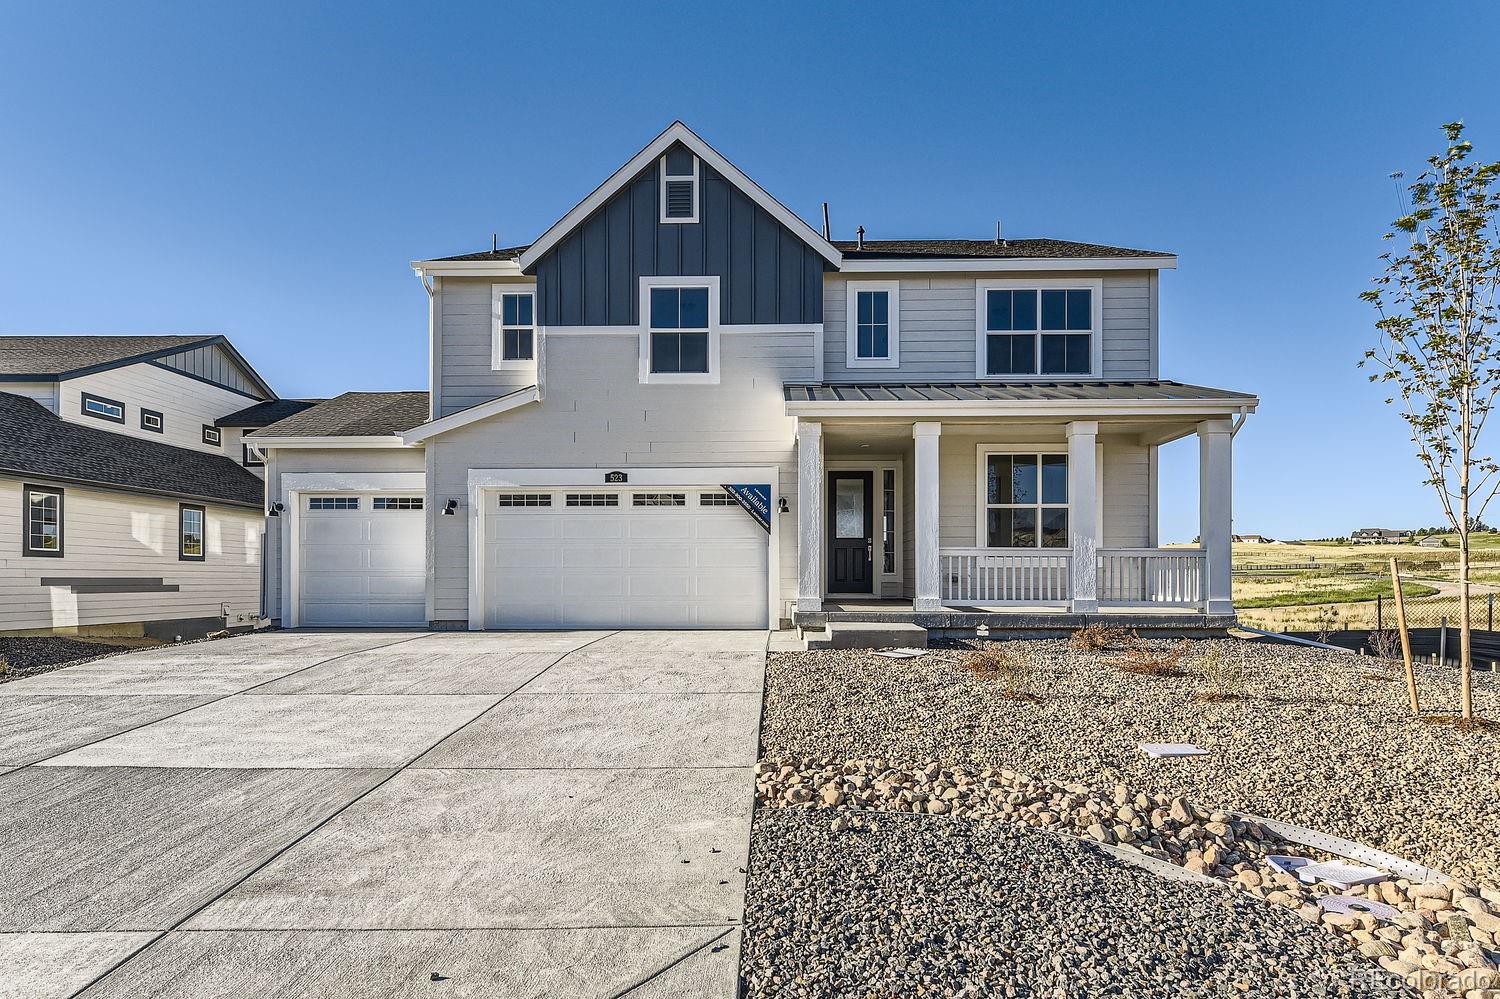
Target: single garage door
x=661 y=558
x=362 y=560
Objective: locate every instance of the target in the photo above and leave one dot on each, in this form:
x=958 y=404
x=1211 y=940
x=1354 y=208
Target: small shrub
x=1098 y=637
x=1386 y=644
x=1139 y=656
x=4 y=666
x=1326 y=623
x=1223 y=675
x=1013 y=667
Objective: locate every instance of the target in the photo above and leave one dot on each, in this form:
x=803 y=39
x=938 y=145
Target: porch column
x=809 y=517
x=1083 y=526
x=929 y=595
x=1215 y=511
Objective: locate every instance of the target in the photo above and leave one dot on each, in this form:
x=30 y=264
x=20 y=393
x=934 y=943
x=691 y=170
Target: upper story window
x=101 y=408
x=515 y=326
x=1038 y=328
x=153 y=421
x=680 y=330
x=42 y=513
x=873 y=324
x=190 y=527
x=211 y=435
x=679 y=186
x=250 y=457
x=1025 y=501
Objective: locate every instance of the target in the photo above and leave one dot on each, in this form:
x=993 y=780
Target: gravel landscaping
x=907 y=905
x=29 y=656
x=1317 y=738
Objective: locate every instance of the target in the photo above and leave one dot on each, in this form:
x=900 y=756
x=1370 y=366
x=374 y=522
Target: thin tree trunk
x=1465 y=635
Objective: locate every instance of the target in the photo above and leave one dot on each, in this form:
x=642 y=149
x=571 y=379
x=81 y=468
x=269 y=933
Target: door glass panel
x=848 y=508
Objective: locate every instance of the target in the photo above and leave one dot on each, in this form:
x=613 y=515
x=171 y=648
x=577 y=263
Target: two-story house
x=128 y=503
x=682 y=406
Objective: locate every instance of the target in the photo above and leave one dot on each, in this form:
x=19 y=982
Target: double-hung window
x=1038 y=328
x=191 y=525
x=680 y=330
x=42 y=521
x=1025 y=501
x=515 y=326
x=874 y=325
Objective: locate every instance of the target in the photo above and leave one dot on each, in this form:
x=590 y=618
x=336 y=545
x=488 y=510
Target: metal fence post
x=1380 y=612
x=1443 y=642
x=1490 y=617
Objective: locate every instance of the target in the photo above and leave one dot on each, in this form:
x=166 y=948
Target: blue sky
x=267 y=171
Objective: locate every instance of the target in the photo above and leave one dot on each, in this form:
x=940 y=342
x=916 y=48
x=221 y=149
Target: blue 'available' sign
x=756 y=499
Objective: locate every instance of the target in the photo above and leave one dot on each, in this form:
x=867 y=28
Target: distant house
x=1433 y=541
x=1253 y=539
x=1379 y=536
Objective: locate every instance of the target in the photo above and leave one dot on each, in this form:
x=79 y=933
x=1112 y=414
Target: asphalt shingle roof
x=59 y=355
x=354 y=414
x=37 y=443
x=983 y=248
x=504 y=253
x=263 y=414
x=1039 y=391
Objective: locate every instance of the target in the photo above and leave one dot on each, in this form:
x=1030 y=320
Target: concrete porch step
x=868 y=635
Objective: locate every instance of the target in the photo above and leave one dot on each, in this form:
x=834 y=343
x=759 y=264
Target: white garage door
x=671 y=557
x=362 y=560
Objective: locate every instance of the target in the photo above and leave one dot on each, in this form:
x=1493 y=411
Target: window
x=525 y=499
x=872 y=319
x=152 y=420
x=42 y=513
x=680 y=330
x=659 y=499
x=593 y=499
x=101 y=408
x=679 y=186
x=211 y=435
x=716 y=499
x=333 y=503
x=888 y=520
x=190 y=527
x=514 y=308
x=1025 y=501
x=398 y=502
x=250 y=457
x=1038 y=329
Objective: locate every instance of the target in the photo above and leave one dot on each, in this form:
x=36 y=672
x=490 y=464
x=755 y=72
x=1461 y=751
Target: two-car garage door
x=361 y=559
x=664 y=557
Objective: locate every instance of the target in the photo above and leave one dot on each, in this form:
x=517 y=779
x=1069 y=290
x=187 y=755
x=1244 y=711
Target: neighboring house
x=1433 y=541
x=1253 y=539
x=681 y=406
x=121 y=509
x=1379 y=536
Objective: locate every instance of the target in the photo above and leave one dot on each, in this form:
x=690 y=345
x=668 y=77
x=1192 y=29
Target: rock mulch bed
x=907 y=905
x=1311 y=739
x=23 y=657
x=1421 y=944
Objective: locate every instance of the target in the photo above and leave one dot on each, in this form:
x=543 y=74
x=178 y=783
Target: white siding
x=596 y=414
x=283 y=461
x=185 y=403
x=109 y=534
x=233 y=438
x=43 y=392
x=467 y=377
x=938 y=326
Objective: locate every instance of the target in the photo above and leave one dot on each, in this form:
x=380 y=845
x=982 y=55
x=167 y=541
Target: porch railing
x=1006 y=575
x=1152 y=577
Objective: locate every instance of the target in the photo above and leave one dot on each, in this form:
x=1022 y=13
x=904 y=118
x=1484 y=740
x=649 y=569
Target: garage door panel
x=625 y=566
x=362 y=566
x=402 y=587
x=333 y=558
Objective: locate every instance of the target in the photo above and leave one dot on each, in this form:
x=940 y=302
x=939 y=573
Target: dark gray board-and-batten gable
x=767 y=273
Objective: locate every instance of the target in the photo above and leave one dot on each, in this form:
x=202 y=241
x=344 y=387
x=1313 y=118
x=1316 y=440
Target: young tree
x=1438 y=340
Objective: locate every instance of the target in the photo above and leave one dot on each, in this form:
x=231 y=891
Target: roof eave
x=865 y=265
x=325 y=441
x=115 y=487
x=466 y=268
x=1228 y=406
x=464 y=417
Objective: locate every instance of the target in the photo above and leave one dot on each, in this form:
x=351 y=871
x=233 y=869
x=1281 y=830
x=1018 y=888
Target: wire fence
x=1378 y=614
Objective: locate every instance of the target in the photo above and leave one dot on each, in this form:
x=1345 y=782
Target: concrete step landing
x=867 y=635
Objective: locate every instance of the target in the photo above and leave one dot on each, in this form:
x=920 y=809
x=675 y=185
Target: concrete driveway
x=351 y=814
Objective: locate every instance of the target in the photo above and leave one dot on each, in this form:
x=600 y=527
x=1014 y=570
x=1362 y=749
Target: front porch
x=958 y=506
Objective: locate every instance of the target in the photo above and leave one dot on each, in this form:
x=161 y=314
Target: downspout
x=432 y=346
x=1244 y=415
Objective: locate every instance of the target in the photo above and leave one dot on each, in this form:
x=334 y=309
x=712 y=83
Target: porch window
x=1048 y=330
x=1026 y=501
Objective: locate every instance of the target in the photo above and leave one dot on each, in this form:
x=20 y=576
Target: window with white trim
x=873 y=324
x=42 y=509
x=1025 y=500
x=101 y=408
x=153 y=421
x=679 y=331
x=1038 y=328
x=679 y=186
x=514 y=308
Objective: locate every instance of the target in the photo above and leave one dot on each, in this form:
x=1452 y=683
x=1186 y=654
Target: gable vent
x=679 y=199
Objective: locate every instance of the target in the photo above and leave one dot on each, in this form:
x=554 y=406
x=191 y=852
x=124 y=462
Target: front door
x=850 y=532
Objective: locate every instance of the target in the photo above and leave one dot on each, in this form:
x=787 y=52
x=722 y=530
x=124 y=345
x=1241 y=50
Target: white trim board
x=464 y=417
x=644 y=330
x=322 y=443
x=948 y=265
x=675 y=133
x=486 y=480
x=1095 y=287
